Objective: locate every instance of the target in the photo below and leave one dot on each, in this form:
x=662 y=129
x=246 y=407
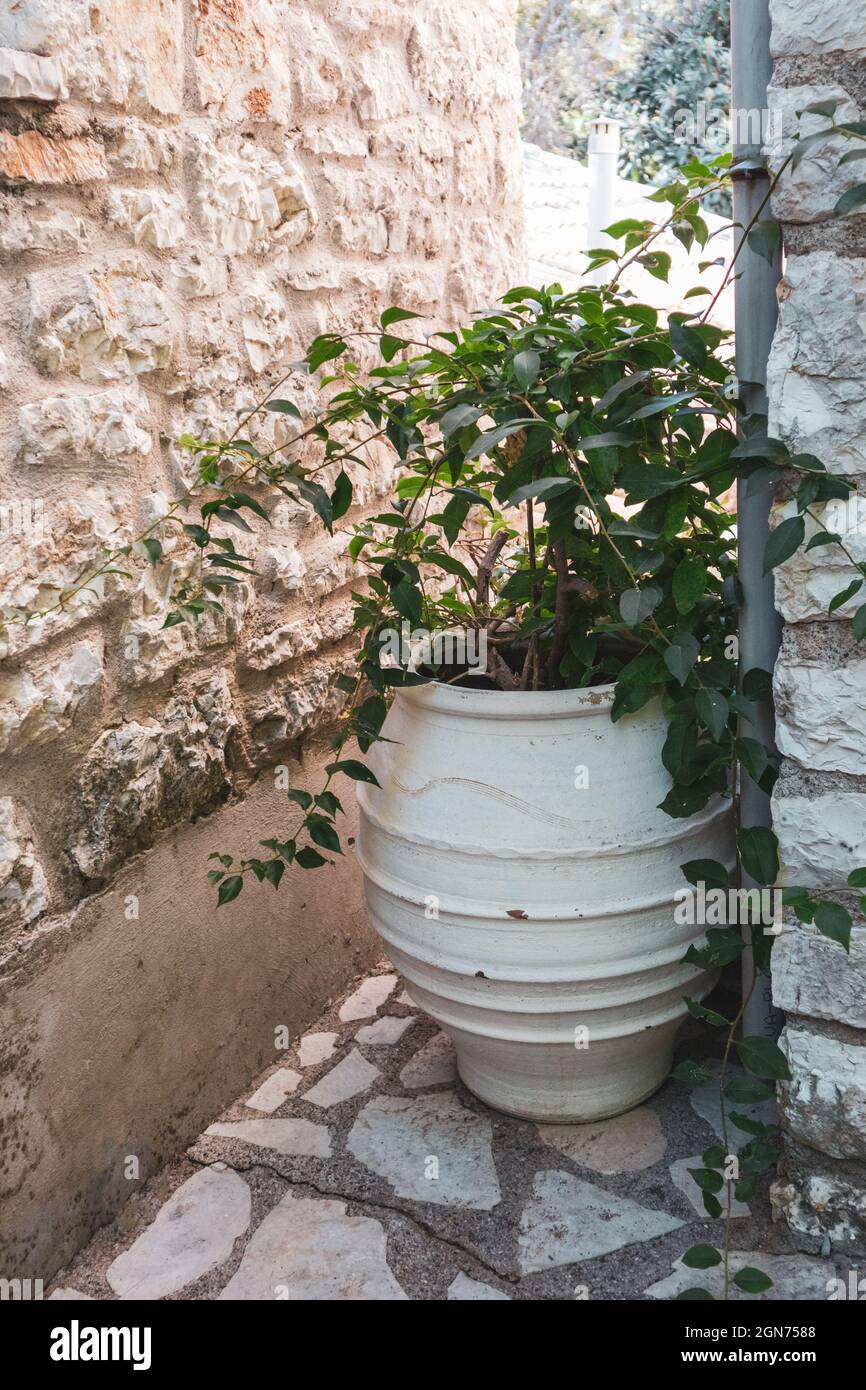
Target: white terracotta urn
x=523 y=880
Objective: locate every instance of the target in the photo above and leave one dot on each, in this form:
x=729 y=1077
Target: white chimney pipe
x=601 y=190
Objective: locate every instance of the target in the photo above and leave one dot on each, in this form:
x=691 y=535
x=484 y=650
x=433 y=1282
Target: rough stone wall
x=817 y=405
x=190 y=190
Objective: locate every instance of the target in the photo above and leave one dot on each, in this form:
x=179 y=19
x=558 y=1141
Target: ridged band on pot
x=522 y=877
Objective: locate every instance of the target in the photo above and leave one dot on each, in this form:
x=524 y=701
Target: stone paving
x=360 y=1167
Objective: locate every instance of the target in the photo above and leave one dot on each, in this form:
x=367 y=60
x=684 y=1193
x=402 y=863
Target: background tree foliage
x=639 y=61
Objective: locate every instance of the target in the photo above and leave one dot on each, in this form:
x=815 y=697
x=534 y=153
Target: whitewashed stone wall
x=818 y=405
x=191 y=190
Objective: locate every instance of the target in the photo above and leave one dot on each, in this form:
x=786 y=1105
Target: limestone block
x=137 y=148
x=34 y=158
x=29 y=224
x=244 y=67
x=198 y=275
x=282 y=644
x=821 y=715
x=153 y=217
x=807 y=582
x=27 y=77
x=812 y=26
x=247 y=197
x=342 y=141
x=380 y=85
x=38 y=706
x=815 y=978
x=149 y=650
x=821 y=1200
x=35 y=568
x=23 y=888
x=824 y=1105
x=822 y=837
x=102 y=326
x=145 y=775
x=818 y=359
x=292 y=709
x=282 y=569
x=214 y=360
x=125 y=52
x=320 y=78
x=267 y=330
x=810 y=192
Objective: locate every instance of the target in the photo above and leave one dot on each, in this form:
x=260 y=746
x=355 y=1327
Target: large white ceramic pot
x=523 y=880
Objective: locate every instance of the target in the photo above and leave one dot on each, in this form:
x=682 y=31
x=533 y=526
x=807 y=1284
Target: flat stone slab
x=432 y=1065
x=303 y=1138
x=367 y=998
x=705 y=1102
x=682 y=1178
x=794 y=1277
x=348 y=1078
x=306 y=1249
x=384 y=1032
x=625 y=1144
x=193 y=1232
x=567 y=1220
x=70 y=1295
x=274 y=1089
x=316 y=1047
x=429 y=1148
x=469 y=1290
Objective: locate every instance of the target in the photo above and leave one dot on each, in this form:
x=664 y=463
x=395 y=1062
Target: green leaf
x=762 y=1057
x=395 y=315
x=274 y=870
x=859 y=623
x=759 y=851
x=492 y=438
x=702 y=1257
x=541 y=487
x=153 y=548
x=764 y=239
x=322 y=833
x=689 y=583
x=341 y=497
x=834 y=922
x=787 y=537
x=681 y=656
x=309 y=858
x=839 y=599
x=692 y=1073
x=707 y=1015
x=850 y=201
x=350 y=767
x=707 y=871
x=752 y=1280
x=324 y=349
x=390 y=346
x=457 y=418
x=742 y=1090
x=283 y=408
x=636 y=605
x=229 y=889
x=758 y=685
x=712 y=709
x=300 y=798
x=857 y=878
x=687 y=343
x=527 y=365
x=707 y=1179
x=694 y=1296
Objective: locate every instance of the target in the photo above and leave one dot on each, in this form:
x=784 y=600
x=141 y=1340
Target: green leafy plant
x=564 y=463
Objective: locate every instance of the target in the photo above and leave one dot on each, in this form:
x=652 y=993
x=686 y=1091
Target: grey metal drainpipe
x=756 y=314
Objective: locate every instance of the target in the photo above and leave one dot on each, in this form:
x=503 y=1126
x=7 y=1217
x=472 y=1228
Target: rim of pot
x=510 y=704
